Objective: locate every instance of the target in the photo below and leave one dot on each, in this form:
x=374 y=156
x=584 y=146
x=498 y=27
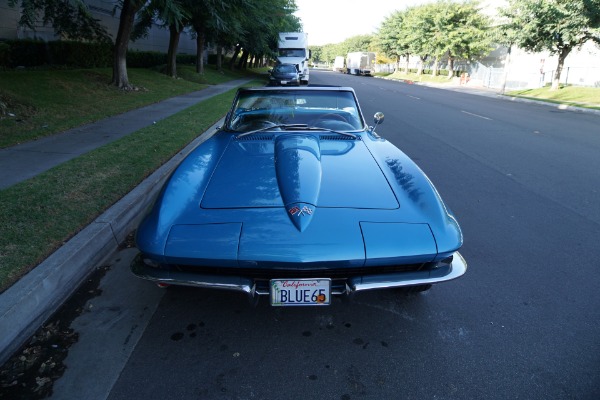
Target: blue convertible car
x=296 y=198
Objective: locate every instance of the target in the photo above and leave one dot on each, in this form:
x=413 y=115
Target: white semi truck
x=293 y=49
x=360 y=63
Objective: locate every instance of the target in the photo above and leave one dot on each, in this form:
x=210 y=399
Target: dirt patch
x=32 y=371
x=11 y=109
x=129 y=242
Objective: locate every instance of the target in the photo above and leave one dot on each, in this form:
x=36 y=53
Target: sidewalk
x=26 y=305
x=24 y=161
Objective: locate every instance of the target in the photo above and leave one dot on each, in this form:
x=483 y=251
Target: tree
x=358 y=43
x=173 y=16
x=71 y=19
x=211 y=19
x=440 y=30
x=261 y=21
x=128 y=10
x=418 y=31
x=392 y=40
x=466 y=32
x=316 y=53
x=505 y=34
x=557 y=26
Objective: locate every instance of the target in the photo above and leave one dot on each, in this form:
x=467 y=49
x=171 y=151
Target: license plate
x=300 y=292
x=284 y=82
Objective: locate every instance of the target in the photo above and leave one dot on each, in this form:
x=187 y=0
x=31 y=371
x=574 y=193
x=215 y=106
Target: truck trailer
x=360 y=63
x=339 y=64
x=293 y=49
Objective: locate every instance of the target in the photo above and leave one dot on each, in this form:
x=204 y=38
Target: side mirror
x=378 y=120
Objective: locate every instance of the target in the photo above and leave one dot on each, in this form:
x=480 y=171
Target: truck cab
x=293 y=49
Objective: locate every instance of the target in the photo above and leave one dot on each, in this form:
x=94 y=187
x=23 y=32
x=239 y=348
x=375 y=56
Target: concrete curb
x=27 y=304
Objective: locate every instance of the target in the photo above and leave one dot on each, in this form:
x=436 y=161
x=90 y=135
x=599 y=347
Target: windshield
x=285 y=69
x=335 y=110
x=292 y=53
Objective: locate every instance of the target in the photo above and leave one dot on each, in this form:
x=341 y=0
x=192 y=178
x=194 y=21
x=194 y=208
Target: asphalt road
x=524 y=322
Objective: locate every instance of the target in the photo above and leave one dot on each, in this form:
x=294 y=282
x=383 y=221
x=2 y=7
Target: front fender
x=181 y=195
x=419 y=199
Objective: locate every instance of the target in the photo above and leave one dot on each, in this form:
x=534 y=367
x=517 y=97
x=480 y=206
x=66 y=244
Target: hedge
x=35 y=53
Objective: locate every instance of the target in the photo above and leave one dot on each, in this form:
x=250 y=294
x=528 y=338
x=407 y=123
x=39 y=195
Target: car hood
x=296 y=198
x=298 y=169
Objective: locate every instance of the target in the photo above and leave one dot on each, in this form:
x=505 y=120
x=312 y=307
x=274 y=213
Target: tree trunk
x=450 y=66
x=506 y=68
x=420 y=70
x=219 y=58
x=119 y=76
x=243 y=59
x=562 y=55
x=174 y=35
x=200 y=53
x=238 y=48
x=435 y=66
x=407 y=55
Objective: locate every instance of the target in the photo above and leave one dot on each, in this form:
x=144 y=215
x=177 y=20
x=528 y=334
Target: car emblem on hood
x=300 y=211
x=300 y=214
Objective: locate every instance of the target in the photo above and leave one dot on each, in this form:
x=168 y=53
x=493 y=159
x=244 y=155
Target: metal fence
x=579 y=76
x=515 y=79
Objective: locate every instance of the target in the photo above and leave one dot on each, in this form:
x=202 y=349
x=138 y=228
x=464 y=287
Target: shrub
x=34 y=53
x=4 y=54
x=26 y=53
x=79 y=54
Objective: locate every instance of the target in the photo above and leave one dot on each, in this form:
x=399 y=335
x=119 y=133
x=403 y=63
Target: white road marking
x=475 y=115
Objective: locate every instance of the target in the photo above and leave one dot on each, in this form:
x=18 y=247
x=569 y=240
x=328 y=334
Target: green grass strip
x=37 y=216
x=578 y=96
x=44 y=102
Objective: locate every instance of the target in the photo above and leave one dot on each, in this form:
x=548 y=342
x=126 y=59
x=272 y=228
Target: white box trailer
x=339 y=64
x=293 y=49
x=360 y=63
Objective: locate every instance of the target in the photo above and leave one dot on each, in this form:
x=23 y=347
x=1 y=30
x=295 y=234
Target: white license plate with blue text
x=300 y=292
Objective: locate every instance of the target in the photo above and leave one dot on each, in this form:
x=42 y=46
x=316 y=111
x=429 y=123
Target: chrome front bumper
x=447 y=272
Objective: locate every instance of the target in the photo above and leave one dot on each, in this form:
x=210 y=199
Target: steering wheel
x=332 y=121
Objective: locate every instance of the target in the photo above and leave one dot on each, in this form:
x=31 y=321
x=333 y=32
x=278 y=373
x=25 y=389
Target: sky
x=333 y=21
